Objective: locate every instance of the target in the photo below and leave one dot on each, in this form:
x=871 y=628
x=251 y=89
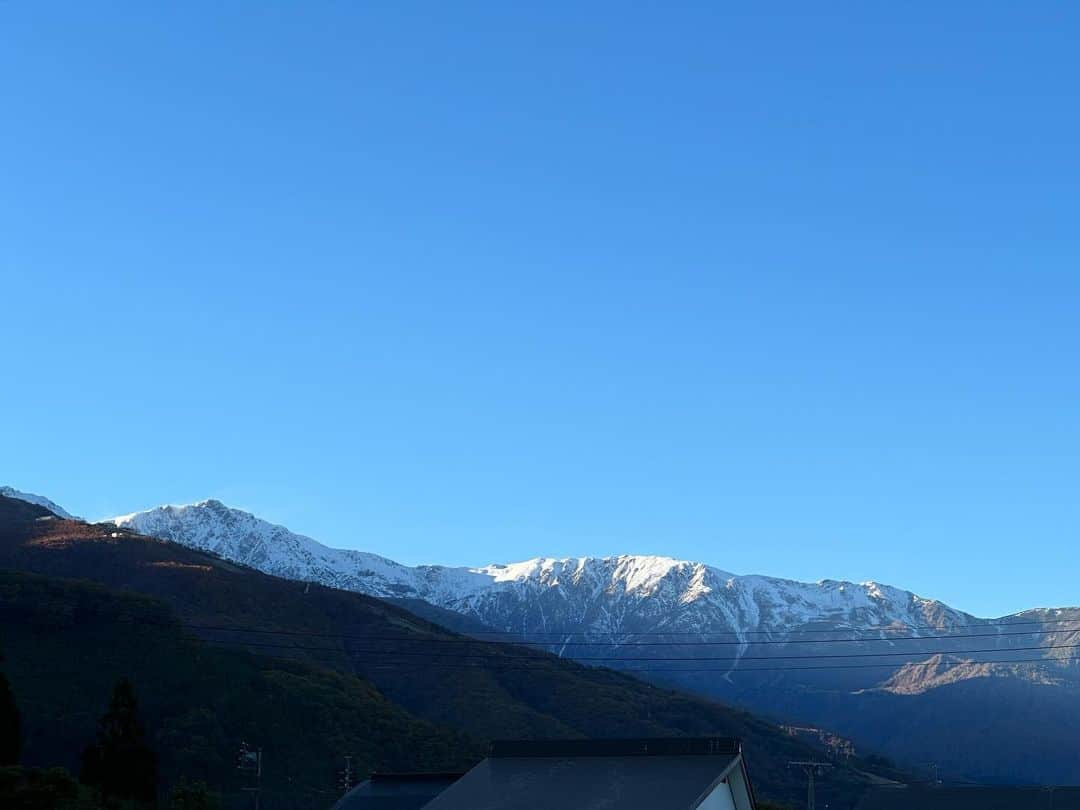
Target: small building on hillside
x=982 y=797
x=647 y=774
x=835 y=746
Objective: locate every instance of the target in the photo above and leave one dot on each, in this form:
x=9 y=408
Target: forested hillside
x=67 y=643
x=221 y=653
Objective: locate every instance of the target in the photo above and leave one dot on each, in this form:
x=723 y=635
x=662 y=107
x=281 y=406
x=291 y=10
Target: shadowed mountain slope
x=66 y=643
x=831 y=653
x=480 y=689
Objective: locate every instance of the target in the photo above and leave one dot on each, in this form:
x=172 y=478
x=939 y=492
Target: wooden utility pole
x=346 y=781
x=249 y=761
x=811 y=768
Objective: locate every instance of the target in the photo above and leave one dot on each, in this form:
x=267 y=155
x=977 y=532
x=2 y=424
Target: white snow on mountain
x=241 y=537
x=820 y=652
x=38 y=500
x=620 y=596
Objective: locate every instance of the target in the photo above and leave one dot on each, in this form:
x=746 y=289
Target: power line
x=515 y=663
x=537 y=641
x=631 y=670
x=562 y=637
x=539 y=654
x=502 y=657
x=475 y=642
x=425 y=640
x=697 y=633
x=497 y=662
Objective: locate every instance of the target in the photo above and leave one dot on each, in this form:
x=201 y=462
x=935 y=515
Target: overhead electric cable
x=540 y=655
x=544 y=643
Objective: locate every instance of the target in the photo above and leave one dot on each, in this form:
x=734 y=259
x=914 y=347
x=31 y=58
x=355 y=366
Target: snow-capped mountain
x=879 y=665
x=725 y=634
x=241 y=537
x=610 y=597
x=38 y=500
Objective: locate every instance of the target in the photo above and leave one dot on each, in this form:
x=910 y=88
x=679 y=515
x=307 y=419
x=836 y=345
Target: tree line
x=119 y=769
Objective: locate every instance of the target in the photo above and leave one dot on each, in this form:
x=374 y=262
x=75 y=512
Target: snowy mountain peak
x=626 y=594
x=242 y=537
x=633 y=573
x=38 y=500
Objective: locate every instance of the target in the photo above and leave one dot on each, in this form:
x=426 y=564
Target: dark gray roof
x=594 y=775
x=396 y=791
x=637 y=747
x=976 y=798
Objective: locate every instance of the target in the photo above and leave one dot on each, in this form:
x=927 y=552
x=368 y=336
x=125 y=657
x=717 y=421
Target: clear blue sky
x=789 y=288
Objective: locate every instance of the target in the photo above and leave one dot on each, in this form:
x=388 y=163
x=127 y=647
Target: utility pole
x=249 y=761
x=346 y=782
x=935 y=778
x=811 y=768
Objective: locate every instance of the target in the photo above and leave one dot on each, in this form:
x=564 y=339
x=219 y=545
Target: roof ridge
x=628 y=747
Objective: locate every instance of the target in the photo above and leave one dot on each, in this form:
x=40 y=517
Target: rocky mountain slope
x=38 y=500
x=613 y=596
x=66 y=645
x=819 y=653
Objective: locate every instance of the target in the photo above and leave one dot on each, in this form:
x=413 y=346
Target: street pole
x=811 y=768
x=249 y=761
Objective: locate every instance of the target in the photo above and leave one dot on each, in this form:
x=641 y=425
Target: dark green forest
x=196 y=703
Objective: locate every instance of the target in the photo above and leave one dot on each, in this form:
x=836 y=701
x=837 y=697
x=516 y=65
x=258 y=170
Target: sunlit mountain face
x=744 y=637
x=884 y=667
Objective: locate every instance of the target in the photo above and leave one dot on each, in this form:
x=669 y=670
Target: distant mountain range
x=220 y=653
x=863 y=659
x=595 y=596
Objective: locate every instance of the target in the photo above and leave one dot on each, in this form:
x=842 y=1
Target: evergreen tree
x=119 y=763
x=187 y=795
x=10 y=725
x=42 y=789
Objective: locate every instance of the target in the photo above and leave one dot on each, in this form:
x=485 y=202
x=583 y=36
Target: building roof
x=641 y=746
x=396 y=791
x=652 y=774
x=983 y=797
